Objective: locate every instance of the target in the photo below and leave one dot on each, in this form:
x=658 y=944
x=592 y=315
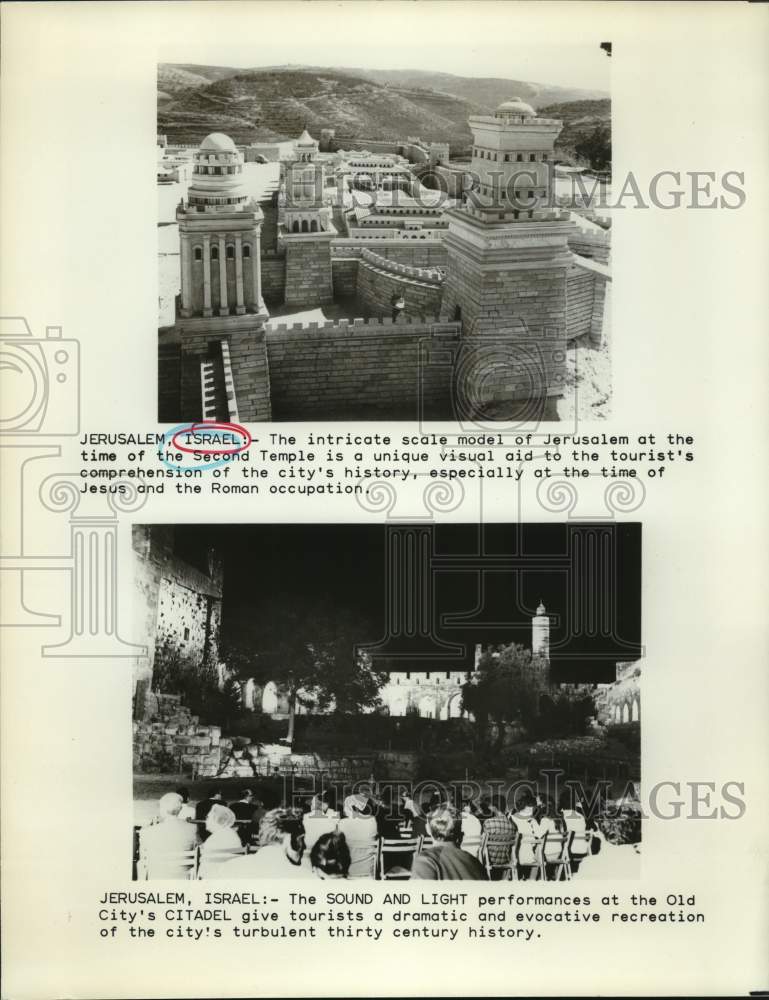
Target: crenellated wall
x=380 y=280
x=372 y=369
x=591 y=244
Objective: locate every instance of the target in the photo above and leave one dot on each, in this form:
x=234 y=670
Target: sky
x=347 y=565
x=482 y=39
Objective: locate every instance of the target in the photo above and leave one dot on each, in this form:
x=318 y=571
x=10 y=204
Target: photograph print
x=387 y=701
x=344 y=243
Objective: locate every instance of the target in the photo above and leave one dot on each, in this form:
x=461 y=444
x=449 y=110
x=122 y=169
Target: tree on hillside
x=308 y=648
x=506 y=687
x=595 y=147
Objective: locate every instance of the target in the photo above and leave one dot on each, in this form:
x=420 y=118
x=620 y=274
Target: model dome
x=516 y=106
x=305 y=139
x=218 y=142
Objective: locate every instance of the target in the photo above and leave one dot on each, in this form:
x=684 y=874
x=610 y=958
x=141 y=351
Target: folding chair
x=497 y=855
x=212 y=859
x=364 y=860
x=181 y=864
x=579 y=845
x=529 y=854
x=402 y=846
x=555 y=852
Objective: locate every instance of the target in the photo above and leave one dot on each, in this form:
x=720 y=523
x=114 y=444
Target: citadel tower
x=540 y=633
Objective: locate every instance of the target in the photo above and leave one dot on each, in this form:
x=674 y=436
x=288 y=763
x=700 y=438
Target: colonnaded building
x=432 y=296
x=178 y=590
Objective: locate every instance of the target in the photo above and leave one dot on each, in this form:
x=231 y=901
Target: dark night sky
x=472 y=577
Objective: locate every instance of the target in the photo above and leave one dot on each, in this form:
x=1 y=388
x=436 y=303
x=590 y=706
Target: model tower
x=508 y=253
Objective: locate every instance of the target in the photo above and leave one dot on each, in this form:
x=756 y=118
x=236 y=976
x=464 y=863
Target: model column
x=255 y=259
x=223 y=307
x=207 y=276
x=186 y=278
x=240 y=307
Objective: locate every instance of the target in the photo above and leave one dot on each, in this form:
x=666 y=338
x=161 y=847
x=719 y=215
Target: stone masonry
x=308 y=269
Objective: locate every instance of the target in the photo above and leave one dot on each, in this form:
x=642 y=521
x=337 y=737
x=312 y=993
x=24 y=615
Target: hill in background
x=278 y=102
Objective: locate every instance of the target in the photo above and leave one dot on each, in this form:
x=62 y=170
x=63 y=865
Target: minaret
x=221 y=290
x=508 y=253
x=540 y=634
x=306 y=228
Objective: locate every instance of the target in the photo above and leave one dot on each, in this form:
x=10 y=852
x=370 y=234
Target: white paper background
x=690 y=91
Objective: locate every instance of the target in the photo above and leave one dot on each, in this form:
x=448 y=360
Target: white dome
x=305 y=139
x=516 y=106
x=218 y=142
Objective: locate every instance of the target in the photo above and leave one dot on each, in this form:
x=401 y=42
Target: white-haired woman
x=223 y=841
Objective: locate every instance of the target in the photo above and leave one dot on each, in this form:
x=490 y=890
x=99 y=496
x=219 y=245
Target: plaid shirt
x=501 y=832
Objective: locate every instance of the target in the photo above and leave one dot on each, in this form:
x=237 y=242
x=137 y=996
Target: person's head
x=499 y=805
x=219 y=818
x=247 y=795
x=357 y=806
x=444 y=824
x=184 y=793
x=330 y=856
x=468 y=807
x=283 y=826
x=215 y=795
x=546 y=807
x=524 y=799
x=170 y=805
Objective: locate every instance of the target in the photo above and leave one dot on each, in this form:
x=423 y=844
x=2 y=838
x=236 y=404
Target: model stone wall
x=344 y=274
x=169 y=382
x=250 y=370
x=520 y=320
x=580 y=288
x=596 y=246
x=308 y=272
x=273 y=278
x=373 y=369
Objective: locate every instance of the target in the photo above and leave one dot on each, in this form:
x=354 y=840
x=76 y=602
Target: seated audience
x=162 y=843
x=527 y=825
x=281 y=846
x=360 y=829
x=203 y=808
x=574 y=820
x=223 y=839
x=330 y=856
x=414 y=816
x=550 y=825
x=245 y=809
x=445 y=860
x=499 y=833
x=391 y=817
x=321 y=819
x=471 y=829
x=188 y=810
